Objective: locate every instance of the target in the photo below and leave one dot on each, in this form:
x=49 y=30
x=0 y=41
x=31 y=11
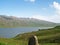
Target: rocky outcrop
x=33 y=40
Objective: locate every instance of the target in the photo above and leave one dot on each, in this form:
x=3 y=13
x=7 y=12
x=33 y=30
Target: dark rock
x=33 y=40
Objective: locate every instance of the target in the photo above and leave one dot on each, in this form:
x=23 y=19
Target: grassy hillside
x=45 y=37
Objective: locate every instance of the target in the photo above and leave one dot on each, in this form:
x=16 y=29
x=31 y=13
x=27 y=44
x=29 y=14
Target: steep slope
x=10 y=21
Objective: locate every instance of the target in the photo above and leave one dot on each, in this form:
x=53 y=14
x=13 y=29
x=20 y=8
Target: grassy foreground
x=4 y=41
x=45 y=37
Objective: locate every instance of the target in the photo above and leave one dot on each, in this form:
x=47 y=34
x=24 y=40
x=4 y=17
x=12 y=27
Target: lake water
x=11 y=32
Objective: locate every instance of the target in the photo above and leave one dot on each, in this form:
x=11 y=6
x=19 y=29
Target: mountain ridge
x=11 y=21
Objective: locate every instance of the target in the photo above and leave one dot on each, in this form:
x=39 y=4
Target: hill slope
x=44 y=36
x=10 y=21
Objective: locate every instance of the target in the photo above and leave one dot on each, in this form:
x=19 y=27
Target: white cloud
x=39 y=17
x=30 y=1
x=56 y=5
x=53 y=18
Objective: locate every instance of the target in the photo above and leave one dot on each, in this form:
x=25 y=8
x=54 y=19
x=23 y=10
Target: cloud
x=39 y=17
x=30 y=1
x=56 y=5
x=53 y=18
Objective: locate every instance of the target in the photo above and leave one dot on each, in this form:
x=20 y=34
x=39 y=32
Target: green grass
x=21 y=42
x=4 y=41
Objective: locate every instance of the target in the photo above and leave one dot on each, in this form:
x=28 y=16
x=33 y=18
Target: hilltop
x=11 y=21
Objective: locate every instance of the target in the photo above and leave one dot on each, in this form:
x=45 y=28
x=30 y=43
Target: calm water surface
x=11 y=32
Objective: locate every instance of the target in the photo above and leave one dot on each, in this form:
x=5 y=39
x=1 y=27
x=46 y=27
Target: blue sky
x=41 y=9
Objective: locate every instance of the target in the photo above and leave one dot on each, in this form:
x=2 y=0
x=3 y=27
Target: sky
x=48 y=10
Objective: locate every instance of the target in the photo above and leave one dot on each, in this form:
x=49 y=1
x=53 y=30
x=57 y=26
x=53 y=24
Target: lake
x=11 y=32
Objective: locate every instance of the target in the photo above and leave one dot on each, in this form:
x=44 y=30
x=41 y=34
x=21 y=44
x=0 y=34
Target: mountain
x=11 y=21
